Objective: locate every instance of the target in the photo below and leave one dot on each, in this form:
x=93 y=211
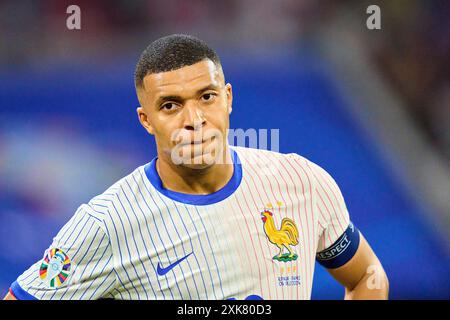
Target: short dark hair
x=171 y=53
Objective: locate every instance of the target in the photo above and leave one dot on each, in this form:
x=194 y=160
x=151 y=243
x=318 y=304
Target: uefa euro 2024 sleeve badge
x=55 y=268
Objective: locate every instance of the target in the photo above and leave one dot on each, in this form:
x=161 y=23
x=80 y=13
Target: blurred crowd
x=414 y=56
x=412 y=50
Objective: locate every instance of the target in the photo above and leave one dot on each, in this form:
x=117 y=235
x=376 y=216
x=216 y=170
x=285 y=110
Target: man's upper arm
x=77 y=265
x=363 y=263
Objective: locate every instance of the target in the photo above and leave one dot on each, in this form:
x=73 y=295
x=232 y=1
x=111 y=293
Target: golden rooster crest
x=284 y=238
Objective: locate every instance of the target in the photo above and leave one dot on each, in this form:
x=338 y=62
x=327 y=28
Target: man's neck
x=195 y=181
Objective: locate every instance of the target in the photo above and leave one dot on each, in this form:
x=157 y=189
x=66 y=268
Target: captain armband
x=341 y=251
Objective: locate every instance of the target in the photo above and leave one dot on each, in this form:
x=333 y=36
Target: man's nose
x=194 y=117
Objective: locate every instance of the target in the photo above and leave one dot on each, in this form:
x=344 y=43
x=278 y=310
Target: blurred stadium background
x=370 y=106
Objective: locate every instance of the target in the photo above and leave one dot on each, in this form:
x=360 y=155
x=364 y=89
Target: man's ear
x=229 y=91
x=143 y=119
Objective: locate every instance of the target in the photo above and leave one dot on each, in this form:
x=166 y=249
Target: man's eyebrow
x=167 y=98
x=179 y=98
x=208 y=87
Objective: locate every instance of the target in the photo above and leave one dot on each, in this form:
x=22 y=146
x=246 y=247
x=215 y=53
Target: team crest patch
x=55 y=268
x=284 y=237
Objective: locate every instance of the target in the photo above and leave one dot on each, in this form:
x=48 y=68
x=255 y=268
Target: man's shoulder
x=266 y=156
x=274 y=162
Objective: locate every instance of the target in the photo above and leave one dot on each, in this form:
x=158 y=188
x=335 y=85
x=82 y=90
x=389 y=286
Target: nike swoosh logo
x=162 y=271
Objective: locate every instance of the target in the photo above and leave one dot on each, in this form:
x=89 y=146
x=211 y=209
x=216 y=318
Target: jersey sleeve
x=78 y=264
x=332 y=211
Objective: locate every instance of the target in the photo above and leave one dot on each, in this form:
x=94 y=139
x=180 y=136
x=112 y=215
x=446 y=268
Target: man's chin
x=202 y=166
x=200 y=162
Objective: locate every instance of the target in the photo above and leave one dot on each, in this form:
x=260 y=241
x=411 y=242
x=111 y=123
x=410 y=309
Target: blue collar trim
x=197 y=199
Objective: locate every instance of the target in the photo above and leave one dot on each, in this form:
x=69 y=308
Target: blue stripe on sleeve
x=19 y=293
x=341 y=251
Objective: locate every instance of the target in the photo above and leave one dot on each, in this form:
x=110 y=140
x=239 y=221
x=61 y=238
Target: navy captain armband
x=341 y=251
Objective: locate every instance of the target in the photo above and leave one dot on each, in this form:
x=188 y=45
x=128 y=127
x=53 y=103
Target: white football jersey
x=257 y=237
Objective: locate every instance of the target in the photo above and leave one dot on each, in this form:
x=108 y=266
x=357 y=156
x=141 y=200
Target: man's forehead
x=202 y=73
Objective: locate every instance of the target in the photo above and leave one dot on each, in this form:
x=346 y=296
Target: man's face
x=187 y=110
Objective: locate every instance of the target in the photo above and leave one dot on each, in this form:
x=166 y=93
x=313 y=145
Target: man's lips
x=196 y=142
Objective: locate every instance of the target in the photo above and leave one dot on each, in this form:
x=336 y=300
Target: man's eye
x=208 y=96
x=168 y=106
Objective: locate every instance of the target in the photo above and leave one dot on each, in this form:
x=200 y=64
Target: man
x=204 y=220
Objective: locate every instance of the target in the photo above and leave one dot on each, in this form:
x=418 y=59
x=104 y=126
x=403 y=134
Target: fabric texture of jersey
x=258 y=236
